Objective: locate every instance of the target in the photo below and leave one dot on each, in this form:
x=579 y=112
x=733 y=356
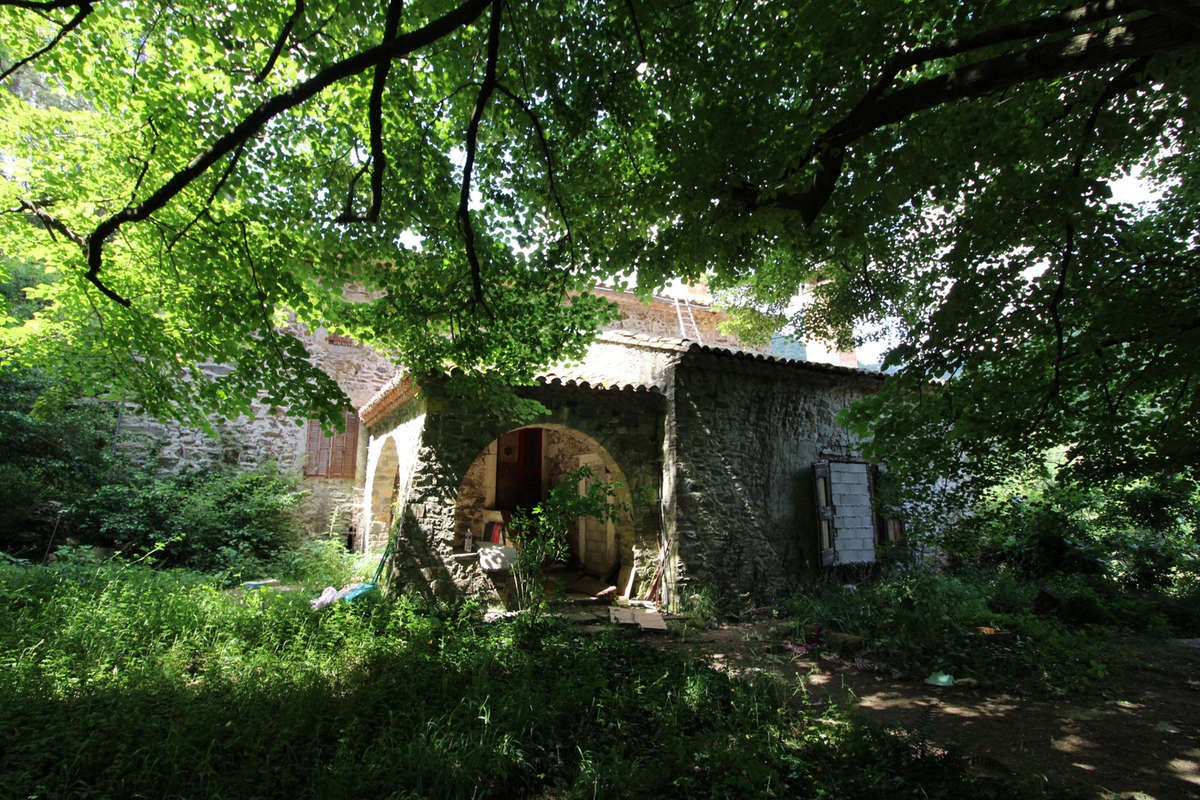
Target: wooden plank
x=621 y=616
x=625 y=580
x=650 y=621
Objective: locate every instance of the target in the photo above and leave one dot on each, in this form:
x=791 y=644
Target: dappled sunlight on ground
x=1137 y=736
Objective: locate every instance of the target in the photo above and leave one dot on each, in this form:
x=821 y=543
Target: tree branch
x=1141 y=38
x=85 y=8
x=250 y=125
x=348 y=214
x=548 y=155
x=40 y=5
x=51 y=222
x=481 y=100
x=637 y=28
x=375 y=122
x=212 y=195
x=281 y=41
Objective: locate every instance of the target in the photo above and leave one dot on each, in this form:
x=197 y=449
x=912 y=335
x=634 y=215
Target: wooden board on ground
x=650 y=621
x=622 y=616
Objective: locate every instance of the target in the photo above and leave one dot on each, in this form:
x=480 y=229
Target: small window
x=333 y=456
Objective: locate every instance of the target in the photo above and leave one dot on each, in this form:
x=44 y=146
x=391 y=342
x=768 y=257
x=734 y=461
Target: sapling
x=540 y=532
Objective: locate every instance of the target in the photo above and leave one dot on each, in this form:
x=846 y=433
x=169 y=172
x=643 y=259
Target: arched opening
x=519 y=468
x=384 y=485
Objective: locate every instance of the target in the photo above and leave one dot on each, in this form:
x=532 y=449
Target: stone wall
x=626 y=424
x=746 y=434
x=269 y=434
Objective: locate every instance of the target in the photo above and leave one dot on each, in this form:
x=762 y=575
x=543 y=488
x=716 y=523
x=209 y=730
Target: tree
x=188 y=174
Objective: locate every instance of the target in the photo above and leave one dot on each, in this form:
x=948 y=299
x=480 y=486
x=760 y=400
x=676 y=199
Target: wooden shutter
x=314 y=464
x=343 y=457
x=823 y=494
x=332 y=456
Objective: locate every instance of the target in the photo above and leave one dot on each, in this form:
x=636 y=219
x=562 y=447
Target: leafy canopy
x=186 y=176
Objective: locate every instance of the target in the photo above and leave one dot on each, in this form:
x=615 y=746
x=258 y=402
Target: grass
x=121 y=681
x=923 y=621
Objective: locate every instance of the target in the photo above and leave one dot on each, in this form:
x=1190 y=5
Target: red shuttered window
x=333 y=456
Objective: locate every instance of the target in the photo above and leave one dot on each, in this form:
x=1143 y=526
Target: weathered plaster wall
x=391 y=458
x=745 y=436
x=659 y=318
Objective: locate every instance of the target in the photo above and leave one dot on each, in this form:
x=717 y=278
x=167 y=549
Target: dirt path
x=1137 y=738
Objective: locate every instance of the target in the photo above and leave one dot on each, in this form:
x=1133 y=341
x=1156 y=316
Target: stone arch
x=604 y=551
x=382 y=497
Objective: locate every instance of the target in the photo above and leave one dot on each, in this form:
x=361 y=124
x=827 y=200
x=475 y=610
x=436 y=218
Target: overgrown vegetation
x=63 y=483
x=1063 y=574
x=121 y=681
x=1143 y=535
x=46 y=461
x=216 y=520
x=541 y=531
x=923 y=621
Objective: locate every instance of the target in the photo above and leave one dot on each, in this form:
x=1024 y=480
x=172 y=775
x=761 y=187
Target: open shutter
x=314 y=464
x=343 y=457
x=823 y=493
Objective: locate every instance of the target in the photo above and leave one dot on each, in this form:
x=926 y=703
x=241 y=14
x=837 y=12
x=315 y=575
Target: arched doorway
x=520 y=467
x=382 y=499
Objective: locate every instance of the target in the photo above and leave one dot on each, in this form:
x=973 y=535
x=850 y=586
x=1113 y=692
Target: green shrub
x=215 y=521
x=1143 y=535
x=324 y=561
x=47 y=459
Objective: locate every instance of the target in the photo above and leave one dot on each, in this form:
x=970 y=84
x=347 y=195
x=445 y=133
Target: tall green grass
x=127 y=682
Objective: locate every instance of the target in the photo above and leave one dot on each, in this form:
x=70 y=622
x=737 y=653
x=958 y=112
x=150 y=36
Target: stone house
x=745 y=482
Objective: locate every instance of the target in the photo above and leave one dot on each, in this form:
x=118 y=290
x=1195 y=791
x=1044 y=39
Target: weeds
x=123 y=681
x=922 y=621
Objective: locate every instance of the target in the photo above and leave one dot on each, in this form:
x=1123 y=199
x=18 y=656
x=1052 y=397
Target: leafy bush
x=214 y=521
x=47 y=459
x=324 y=561
x=1143 y=535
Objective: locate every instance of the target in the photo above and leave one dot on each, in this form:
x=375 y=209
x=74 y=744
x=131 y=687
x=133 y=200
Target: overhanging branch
x=250 y=125
x=85 y=8
x=1140 y=38
x=481 y=100
x=375 y=124
x=281 y=41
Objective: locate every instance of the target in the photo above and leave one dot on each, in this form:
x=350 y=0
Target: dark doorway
x=519 y=469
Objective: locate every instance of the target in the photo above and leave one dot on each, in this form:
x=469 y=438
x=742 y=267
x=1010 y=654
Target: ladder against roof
x=685 y=332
